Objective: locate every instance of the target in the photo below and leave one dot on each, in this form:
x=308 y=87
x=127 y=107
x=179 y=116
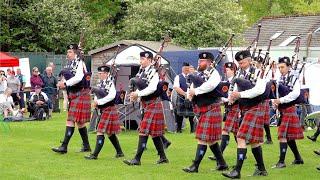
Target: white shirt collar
x=147 y=68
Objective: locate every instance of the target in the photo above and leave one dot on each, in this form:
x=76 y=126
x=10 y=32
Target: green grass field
x=25 y=153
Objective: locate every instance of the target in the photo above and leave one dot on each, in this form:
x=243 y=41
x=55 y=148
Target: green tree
x=193 y=23
x=104 y=18
x=256 y=9
x=13 y=27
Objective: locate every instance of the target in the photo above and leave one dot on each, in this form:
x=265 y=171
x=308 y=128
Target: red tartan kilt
x=290 y=127
x=232 y=120
x=209 y=125
x=251 y=128
x=267 y=112
x=153 y=120
x=79 y=106
x=109 y=121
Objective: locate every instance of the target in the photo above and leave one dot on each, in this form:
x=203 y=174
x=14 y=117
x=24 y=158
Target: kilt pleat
x=290 y=127
x=266 y=105
x=79 y=106
x=232 y=119
x=153 y=120
x=209 y=125
x=109 y=121
x=251 y=128
x=184 y=107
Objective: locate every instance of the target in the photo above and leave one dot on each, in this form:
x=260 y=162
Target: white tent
x=131 y=56
x=128 y=63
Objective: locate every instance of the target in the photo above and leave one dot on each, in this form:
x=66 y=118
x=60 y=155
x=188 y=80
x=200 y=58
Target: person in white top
x=312 y=82
x=183 y=105
x=3 y=82
x=6 y=102
x=207 y=106
x=76 y=79
x=252 y=110
x=152 y=123
x=109 y=123
x=289 y=129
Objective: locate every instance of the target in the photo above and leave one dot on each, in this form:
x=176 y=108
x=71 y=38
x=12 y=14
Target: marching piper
x=109 y=120
x=152 y=123
x=289 y=129
x=77 y=82
x=207 y=106
x=252 y=112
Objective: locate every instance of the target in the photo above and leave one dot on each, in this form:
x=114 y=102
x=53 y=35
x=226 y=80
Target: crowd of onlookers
x=42 y=96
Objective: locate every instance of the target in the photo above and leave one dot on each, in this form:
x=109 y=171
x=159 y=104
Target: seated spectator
x=35 y=79
x=6 y=102
x=38 y=104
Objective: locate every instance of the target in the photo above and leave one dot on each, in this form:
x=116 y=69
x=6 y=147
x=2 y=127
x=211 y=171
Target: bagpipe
x=102 y=92
x=222 y=89
x=142 y=79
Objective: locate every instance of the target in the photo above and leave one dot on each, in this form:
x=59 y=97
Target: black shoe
x=279 y=165
x=258 y=172
x=192 y=169
x=90 y=156
x=132 y=162
x=60 y=149
x=118 y=155
x=166 y=145
x=312 y=138
x=234 y=174
x=179 y=131
x=318 y=168
x=213 y=158
x=85 y=149
x=317 y=152
x=297 y=161
x=162 y=161
x=268 y=142
x=222 y=167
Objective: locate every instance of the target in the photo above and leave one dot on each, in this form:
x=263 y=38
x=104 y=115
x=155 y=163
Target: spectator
x=38 y=103
x=6 y=102
x=23 y=81
x=8 y=71
x=14 y=84
x=50 y=88
x=3 y=82
x=35 y=79
x=53 y=66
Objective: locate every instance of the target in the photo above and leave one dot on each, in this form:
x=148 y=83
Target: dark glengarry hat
x=230 y=65
x=185 y=64
x=285 y=60
x=146 y=54
x=103 y=69
x=242 y=55
x=73 y=46
x=206 y=55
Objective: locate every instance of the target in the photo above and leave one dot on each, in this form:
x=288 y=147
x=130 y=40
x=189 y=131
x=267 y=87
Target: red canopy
x=8 y=61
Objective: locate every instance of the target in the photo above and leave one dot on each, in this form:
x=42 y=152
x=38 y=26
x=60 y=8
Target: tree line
x=49 y=25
